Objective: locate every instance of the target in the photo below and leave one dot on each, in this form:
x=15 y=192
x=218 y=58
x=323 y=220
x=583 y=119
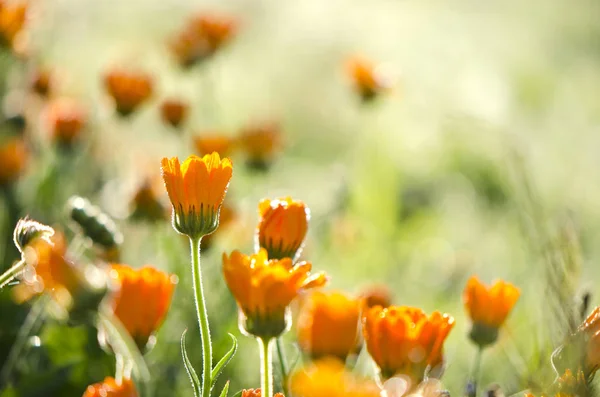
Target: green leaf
x=238 y=394
x=224 y=361
x=189 y=368
x=225 y=390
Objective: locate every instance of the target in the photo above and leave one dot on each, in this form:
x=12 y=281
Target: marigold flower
x=488 y=308
x=260 y=142
x=66 y=119
x=282 y=227
x=174 y=112
x=328 y=378
x=197 y=189
x=110 y=388
x=128 y=89
x=208 y=143
x=368 y=79
x=143 y=299
x=146 y=203
x=265 y=288
x=588 y=336
x=12 y=20
x=404 y=340
x=328 y=325
x=377 y=295
x=256 y=393
x=14 y=157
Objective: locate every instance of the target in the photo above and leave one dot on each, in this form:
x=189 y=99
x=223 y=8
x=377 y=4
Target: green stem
x=202 y=317
x=13 y=272
x=283 y=366
x=266 y=372
x=476 y=370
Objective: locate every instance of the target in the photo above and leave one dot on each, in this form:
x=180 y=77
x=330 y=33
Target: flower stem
x=11 y=273
x=202 y=317
x=476 y=370
x=283 y=366
x=266 y=359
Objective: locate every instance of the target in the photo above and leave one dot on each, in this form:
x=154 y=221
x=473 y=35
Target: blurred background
x=474 y=154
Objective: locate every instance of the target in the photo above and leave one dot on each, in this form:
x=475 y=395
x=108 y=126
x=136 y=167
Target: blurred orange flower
x=14 y=157
x=256 y=393
x=488 y=308
x=328 y=325
x=41 y=82
x=66 y=119
x=197 y=189
x=282 y=227
x=265 y=288
x=260 y=142
x=329 y=378
x=367 y=78
x=110 y=388
x=12 y=20
x=404 y=340
x=590 y=330
x=146 y=203
x=208 y=143
x=128 y=89
x=174 y=111
x=377 y=295
x=142 y=300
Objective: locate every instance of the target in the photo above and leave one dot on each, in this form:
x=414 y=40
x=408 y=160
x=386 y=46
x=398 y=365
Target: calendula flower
x=197 y=189
x=12 y=20
x=146 y=204
x=328 y=325
x=174 y=112
x=587 y=343
x=213 y=142
x=405 y=341
x=128 y=89
x=260 y=142
x=368 y=79
x=265 y=288
x=329 y=378
x=377 y=295
x=256 y=393
x=142 y=300
x=14 y=157
x=282 y=227
x=27 y=230
x=110 y=388
x=66 y=119
x=488 y=308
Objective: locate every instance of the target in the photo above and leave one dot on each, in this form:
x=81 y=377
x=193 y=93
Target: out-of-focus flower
x=226 y=217
x=405 y=341
x=14 y=157
x=110 y=388
x=28 y=230
x=488 y=308
x=12 y=20
x=282 y=227
x=201 y=38
x=208 y=143
x=588 y=334
x=42 y=82
x=367 y=78
x=260 y=142
x=265 y=288
x=174 y=112
x=129 y=89
x=377 y=295
x=196 y=189
x=328 y=378
x=328 y=325
x=66 y=119
x=142 y=300
x=256 y=393
x=567 y=385
x=146 y=204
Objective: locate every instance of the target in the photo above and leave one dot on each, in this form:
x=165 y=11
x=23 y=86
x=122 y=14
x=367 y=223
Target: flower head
x=208 y=143
x=42 y=82
x=282 y=227
x=368 y=79
x=196 y=189
x=146 y=204
x=66 y=119
x=27 y=230
x=128 y=89
x=142 y=300
x=260 y=142
x=12 y=20
x=328 y=325
x=110 y=388
x=488 y=308
x=265 y=288
x=174 y=112
x=14 y=156
x=404 y=340
x=377 y=295
x=256 y=393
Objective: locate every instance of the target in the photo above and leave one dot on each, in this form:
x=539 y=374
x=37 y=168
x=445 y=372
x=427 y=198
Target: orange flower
x=328 y=378
x=377 y=295
x=260 y=142
x=146 y=204
x=197 y=189
x=488 y=308
x=403 y=340
x=208 y=143
x=13 y=160
x=66 y=118
x=589 y=333
x=256 y=393
x=328 y=325
x=265 y=288
x=174 y=111
x=367 y=78
x=282 y=227
x=41 y=83
x=12 y=20
x=110 y=388
x=143 y=299
x=128 y=89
